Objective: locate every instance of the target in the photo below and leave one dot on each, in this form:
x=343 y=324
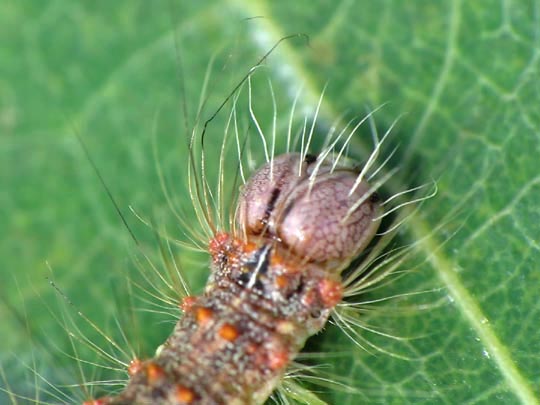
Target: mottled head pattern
x=319 y=210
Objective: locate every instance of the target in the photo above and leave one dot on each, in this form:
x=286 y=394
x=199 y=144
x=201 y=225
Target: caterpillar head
x=322 y=212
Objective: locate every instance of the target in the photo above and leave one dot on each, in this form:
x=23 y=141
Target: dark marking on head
x=271 y=205
x=310 y=158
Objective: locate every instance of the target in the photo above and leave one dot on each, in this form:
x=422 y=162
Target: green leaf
x=465 y=76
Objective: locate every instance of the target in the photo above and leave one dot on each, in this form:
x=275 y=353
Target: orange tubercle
x=277 y=260
x=184 y=395
x=218 y=242
x=331 y=292
x=187 y=303
x=134 y=366
x=282 y=281
x=249 y=247
x=204 y=315
x=278 y=359
x=228 y=332
x=154 y=373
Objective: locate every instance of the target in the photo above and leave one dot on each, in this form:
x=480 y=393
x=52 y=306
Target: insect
x=277 y=274
x=274 y=283
x=280 y=266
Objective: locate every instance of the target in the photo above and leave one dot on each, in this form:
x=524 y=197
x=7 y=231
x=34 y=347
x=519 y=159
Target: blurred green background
x=464 y=74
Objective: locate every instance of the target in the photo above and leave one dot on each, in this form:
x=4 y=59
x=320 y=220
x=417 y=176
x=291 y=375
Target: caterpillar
x=281 y=263
x=107 y=67
x=280 y=267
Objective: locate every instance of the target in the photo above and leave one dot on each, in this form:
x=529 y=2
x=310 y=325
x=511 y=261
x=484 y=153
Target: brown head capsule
x=320 y=213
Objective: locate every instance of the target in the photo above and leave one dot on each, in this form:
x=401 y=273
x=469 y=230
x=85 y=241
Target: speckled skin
x=265 y=297
x=309 y=215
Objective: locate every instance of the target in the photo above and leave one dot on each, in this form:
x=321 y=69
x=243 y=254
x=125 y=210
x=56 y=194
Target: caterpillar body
x=280 y=267
x=282 y=264
x=274 y=283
